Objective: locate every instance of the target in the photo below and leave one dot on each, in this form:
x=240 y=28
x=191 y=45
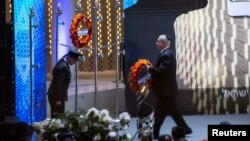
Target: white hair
x=164 y=39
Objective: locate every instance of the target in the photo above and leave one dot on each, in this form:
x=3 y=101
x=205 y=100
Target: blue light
x=128 y=3
x=68 y=13
x=22 y=60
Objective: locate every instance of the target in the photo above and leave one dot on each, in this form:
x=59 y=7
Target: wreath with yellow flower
x=134 y=72
x=80 y=41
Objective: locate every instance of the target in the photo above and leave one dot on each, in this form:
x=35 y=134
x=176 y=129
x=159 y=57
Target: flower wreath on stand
x=141 y=89
x=78 y=40
x=133 y=77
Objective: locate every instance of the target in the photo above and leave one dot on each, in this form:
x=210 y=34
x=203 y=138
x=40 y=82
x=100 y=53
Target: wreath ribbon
x=80 y=41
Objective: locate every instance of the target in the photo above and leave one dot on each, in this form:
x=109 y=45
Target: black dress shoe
x=156 y=136
x=188 y=131
x=139 y=135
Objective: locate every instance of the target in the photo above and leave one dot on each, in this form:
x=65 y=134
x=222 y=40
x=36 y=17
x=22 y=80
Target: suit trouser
x=161 y=112
x=57 y=108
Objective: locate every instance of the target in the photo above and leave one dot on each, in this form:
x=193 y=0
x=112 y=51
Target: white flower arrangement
x=124 y=116
x=93 y=124
x=92 y=110
x=104 y=113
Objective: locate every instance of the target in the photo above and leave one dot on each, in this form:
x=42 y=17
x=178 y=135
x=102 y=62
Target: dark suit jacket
x=164 y=76
x=143 y=22
x=58 y=89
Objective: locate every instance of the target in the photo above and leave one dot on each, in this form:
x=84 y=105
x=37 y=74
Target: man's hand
x=145 y=67
x=58 y=102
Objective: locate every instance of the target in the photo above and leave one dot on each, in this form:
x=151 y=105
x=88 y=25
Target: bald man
x=165 y=87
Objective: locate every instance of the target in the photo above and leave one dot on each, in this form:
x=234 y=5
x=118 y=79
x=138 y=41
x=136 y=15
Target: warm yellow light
x=246 y=53
x=235 y=82
x=89 y=12
x=232 y=43
x=233 y=68
x=247 y=80
x=248 y=67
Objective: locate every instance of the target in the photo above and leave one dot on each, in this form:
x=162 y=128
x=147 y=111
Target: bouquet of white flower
x=48 y=128
x=86 y=125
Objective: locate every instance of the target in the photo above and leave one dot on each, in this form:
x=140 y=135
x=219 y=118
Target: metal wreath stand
x=31 y=16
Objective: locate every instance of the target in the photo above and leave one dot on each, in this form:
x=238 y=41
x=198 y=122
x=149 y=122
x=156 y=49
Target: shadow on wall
x=143 y=23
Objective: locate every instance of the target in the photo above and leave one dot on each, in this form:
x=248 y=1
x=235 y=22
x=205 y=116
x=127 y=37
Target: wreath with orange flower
x=134 y=72
x=80 y=41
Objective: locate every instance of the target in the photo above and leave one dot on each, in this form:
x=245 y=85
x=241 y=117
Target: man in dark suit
x=58 y=89
x=143 y=21
x=165 y=87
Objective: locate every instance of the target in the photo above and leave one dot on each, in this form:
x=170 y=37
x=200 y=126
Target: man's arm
x=164 y=66
x=60 y=76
